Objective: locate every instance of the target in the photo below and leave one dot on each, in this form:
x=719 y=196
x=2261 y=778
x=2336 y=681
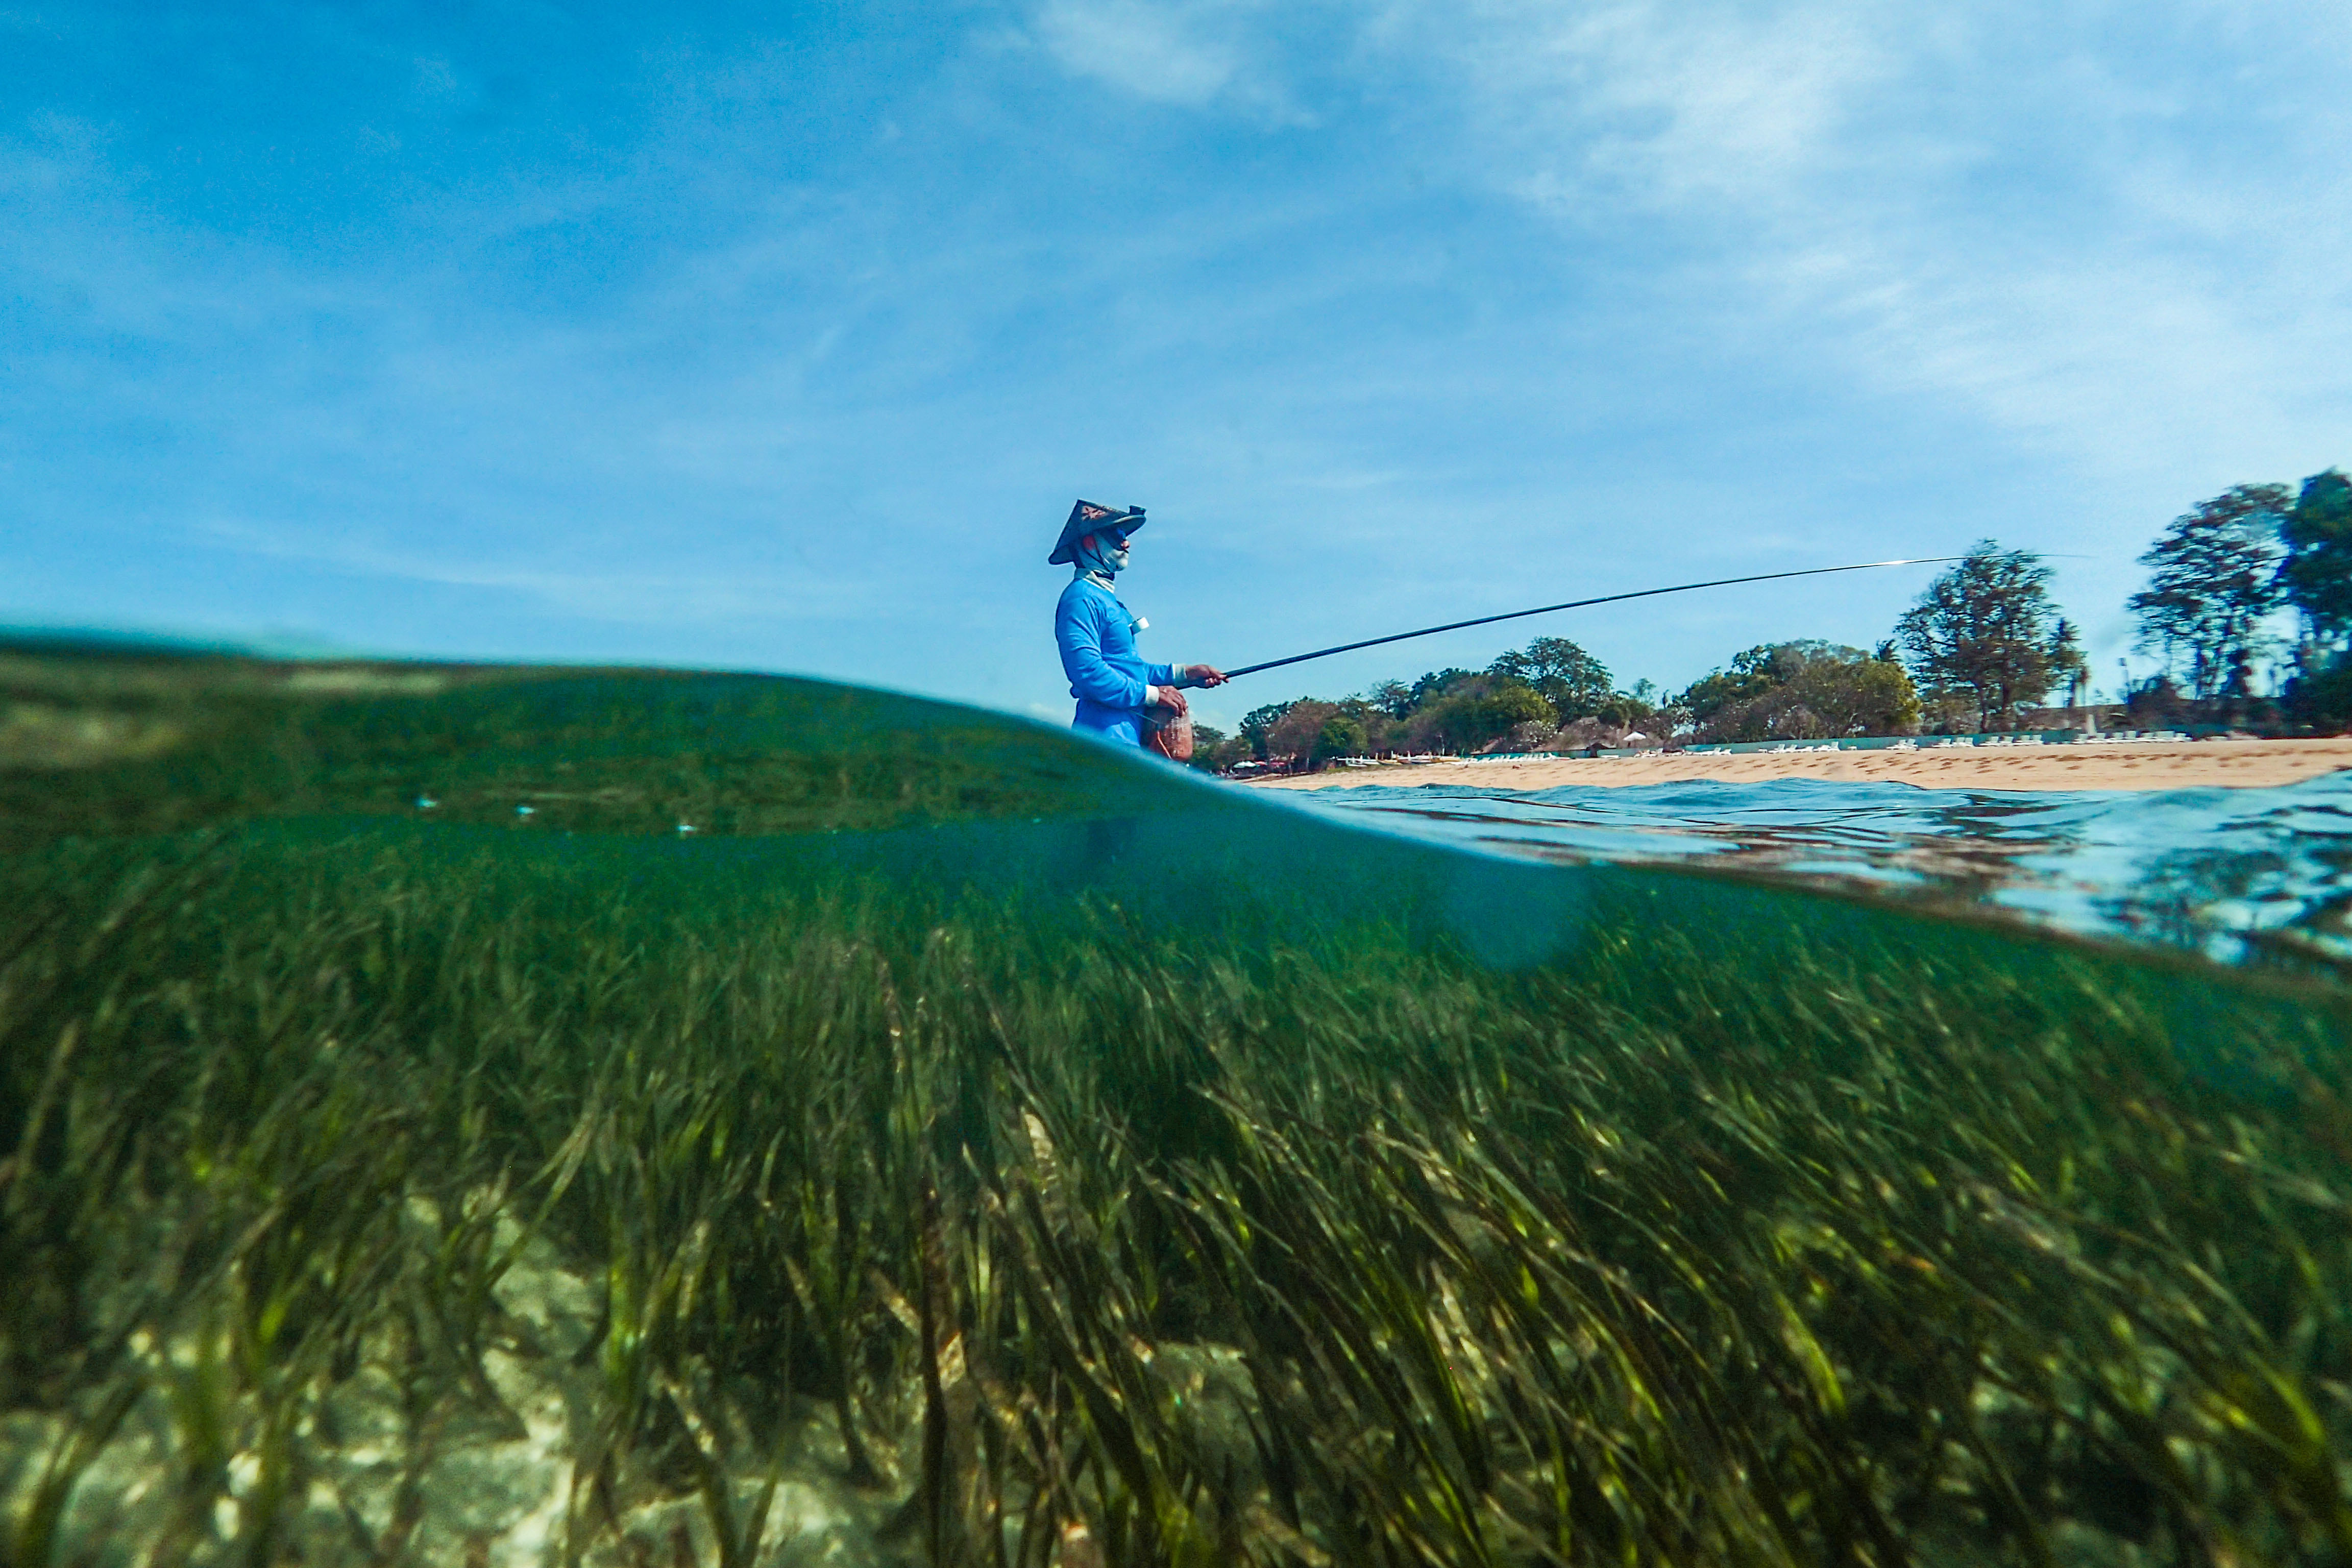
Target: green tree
x=1836 y=697
x=1342 y=735
x=1379 y=727
x=1213 y=750
x=1752 y=673
x=1477 y=713
x=1392 y=697
x=1576 y=684
x=1258 y=723
x=1987 y=628
x=2316 y=575
x=1297 y=733
x=1809 y=690
x=1634 y=709
x=2213 y=578
x=2322 y=697
x=1438 y=683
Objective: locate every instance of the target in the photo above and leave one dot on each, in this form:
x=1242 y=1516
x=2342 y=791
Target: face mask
x=1108 y=555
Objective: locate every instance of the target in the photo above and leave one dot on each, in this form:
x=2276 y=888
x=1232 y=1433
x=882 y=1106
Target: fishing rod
x=1581 y=604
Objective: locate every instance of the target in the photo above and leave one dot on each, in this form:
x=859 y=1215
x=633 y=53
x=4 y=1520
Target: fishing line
x=1581 y=604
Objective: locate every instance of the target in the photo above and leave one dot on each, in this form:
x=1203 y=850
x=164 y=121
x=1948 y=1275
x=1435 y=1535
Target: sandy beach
x=2178 y=765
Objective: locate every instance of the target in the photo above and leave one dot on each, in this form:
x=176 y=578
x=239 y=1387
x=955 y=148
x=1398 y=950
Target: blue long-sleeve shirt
x=1108 y=678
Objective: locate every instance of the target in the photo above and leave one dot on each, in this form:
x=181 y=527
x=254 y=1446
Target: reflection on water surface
x=2233 y=873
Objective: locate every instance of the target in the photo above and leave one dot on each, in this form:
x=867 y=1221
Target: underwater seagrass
x=970 y=1146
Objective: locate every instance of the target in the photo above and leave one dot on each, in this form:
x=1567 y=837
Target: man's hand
x=1202 y=675
x=1169 y=697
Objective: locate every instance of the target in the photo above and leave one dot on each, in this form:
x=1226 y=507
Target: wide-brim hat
x=1092 y=516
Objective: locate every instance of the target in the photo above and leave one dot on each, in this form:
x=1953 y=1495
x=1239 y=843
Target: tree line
x=1983 y=644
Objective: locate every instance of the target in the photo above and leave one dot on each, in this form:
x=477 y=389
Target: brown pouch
x=1168 y=732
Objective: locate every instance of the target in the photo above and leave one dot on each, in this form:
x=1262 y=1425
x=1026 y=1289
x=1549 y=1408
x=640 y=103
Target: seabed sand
x=2173 y=764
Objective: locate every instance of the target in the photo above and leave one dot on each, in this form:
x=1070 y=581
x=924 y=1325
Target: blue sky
x=781 y=337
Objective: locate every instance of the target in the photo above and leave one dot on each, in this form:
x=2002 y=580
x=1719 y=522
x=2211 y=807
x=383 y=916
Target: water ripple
x=2242 y=875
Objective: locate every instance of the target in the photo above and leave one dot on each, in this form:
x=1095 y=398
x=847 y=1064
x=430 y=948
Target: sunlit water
x=2234 y=873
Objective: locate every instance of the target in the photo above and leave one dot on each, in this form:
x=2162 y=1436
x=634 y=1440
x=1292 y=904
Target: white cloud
x=2114 y=236
x=1671 y=104
x=1188 y=52
x=1154 y=51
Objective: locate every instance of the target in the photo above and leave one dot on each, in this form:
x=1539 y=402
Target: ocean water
x=503 y=1117
x=2238 y=875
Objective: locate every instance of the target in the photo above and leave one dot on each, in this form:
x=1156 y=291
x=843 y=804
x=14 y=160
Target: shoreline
x=2094 y=766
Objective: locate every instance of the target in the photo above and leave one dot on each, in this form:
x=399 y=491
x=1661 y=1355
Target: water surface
x=2236 y=874
x=500 y=1117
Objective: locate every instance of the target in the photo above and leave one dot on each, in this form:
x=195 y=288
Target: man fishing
x=1120 y=696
